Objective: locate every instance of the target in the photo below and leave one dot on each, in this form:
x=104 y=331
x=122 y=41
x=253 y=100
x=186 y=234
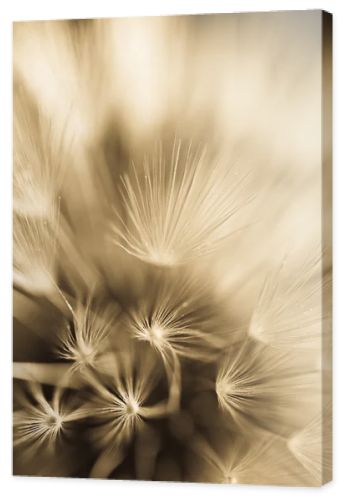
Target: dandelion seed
x=88 y=339
x=178 y=210
x=307 y=446
x=288 y=313
x=258 y=385
x=41 y=422
x=35 y=252
x=120 y=399
x=179 y=317
x=39 y=158
x=224 y=470
x=262 y=460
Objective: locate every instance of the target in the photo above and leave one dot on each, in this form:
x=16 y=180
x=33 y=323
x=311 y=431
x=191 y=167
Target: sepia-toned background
x=169 y=254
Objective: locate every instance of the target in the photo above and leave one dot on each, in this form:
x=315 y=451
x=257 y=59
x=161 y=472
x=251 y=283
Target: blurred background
x=94 y=97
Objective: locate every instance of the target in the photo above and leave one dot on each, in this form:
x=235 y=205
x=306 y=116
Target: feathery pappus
x=161 y=166
x=288 y=313
x=180 y=315
x=40 y=157
x=35 y=247
x=88 y=338
x=246 y=463
x=179 y=208
x=41 y=422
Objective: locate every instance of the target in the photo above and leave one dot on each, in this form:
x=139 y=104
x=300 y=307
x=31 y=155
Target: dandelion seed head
x=194 y=363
